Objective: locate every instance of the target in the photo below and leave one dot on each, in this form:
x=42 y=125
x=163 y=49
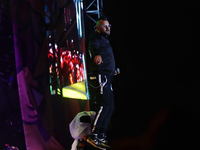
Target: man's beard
x=106 y=34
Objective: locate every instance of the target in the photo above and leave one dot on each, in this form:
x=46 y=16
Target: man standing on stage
x=100 y=81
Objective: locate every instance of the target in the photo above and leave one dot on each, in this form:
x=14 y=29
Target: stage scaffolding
x=93 y=9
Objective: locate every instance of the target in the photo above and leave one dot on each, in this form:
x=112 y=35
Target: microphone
x=118 y=70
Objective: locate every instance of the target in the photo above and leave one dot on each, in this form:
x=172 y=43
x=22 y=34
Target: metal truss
x=93 y=9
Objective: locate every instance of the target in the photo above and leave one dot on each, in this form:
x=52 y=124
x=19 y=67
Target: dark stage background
x=157 y=93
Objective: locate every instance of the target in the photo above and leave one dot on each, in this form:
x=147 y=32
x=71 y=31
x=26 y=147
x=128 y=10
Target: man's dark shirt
x=100 y=45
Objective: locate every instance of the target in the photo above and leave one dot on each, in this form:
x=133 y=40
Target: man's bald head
x=103 y=26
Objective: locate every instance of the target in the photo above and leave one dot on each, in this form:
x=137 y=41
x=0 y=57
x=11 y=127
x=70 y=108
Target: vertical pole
x=98 y=8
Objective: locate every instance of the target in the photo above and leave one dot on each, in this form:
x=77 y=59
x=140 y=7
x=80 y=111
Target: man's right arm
x=94 y=51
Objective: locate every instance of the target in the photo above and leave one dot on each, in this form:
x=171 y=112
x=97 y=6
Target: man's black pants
x=101 y=101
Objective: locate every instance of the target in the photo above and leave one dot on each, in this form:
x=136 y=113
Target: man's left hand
x=117 y=71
